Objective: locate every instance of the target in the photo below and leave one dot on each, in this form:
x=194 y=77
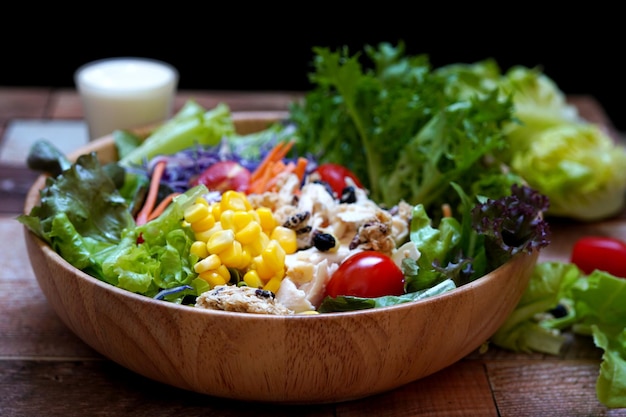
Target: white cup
x=125 y=93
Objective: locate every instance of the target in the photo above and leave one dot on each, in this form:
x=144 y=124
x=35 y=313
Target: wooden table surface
x=45 y=370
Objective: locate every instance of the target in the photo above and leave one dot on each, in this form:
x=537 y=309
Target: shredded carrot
x=257 y=185
x=277 y=153
x=162 y=206
x=284 y=168
x=278 y=167
x=148 y=206
x=301 y=165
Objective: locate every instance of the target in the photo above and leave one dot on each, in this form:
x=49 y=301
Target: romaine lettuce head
x=579 y=167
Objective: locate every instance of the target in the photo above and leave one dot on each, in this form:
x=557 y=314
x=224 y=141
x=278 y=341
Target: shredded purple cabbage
x=182 y=167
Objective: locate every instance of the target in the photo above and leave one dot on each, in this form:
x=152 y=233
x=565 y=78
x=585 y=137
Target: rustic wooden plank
x=28 y=325
x=15 y=181
x=459 y=390
x=22 y=102
x=88 y=388
x=32 y=328
x=575 y=347
x=66 y=103
x=556 y=389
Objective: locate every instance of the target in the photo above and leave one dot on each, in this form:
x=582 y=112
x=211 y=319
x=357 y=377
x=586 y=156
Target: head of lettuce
x=579 y=166
x=575 y=163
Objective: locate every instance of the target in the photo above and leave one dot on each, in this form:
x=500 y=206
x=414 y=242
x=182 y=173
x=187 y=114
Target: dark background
x=270 y=48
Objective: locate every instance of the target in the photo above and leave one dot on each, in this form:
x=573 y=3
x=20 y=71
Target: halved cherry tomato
x=335 y=175
x=366 y=274
x=223 y=176
x=600 y=252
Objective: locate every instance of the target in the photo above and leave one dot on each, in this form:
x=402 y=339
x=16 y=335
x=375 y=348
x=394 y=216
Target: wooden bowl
x=281 y=359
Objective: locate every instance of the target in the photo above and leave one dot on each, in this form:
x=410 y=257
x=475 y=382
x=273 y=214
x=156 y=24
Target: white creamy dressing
x=122 y=93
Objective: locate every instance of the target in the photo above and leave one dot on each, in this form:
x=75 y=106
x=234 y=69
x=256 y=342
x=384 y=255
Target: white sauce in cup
x=124 y=93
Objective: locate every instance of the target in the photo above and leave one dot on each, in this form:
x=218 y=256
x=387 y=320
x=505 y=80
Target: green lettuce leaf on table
x=595 y=307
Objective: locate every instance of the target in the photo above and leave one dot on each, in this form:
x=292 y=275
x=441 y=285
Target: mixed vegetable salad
x=386 y=184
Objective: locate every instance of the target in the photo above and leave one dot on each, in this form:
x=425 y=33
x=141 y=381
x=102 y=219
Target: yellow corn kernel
x=212 y=278
x=234 y=200
x=254 y=215
x=273 y=285
x=256 y=246
x=215 y=210
x=224 y=272
x=308 y=313
x=266 y=218
x=286 y=237
x=209 y=263
x=199 y=249
x=274 y=256
x=260 y=266
x=201 y=200
x=205 y=235
x=233 y=256
x=203 y=224
x=195 y=212
x=249 y=233
x=241 y=219
x=220 y=241
x=252 y=279
x=227 y=219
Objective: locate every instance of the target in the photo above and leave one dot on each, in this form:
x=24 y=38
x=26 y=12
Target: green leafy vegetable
x=43 y=156
x=579 y=167
x=350 y=303
x=191 y=125
x=412 y=129
x=595 y=307
x=87 y=198
x=512 y=224
x=84 y=218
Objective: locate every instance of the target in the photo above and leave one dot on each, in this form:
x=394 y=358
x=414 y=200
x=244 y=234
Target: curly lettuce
x=407 y=131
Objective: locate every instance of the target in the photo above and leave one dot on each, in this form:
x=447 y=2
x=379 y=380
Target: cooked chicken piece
x=241 y=299
x=293 y=298
x=287 y=185
x=401 y=221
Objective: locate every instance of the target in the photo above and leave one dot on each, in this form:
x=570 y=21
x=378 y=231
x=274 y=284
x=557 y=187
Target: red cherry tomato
x=335 y=175
x=366 y=274
x=223 y=176
x=598 y=252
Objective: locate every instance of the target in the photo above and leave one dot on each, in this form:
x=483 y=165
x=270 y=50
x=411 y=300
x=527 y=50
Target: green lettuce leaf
x=595 y=307
x=190 y=126
x=579 y=167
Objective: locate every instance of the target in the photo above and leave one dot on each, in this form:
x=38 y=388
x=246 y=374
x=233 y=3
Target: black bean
x=348 y=195
x=324 y=241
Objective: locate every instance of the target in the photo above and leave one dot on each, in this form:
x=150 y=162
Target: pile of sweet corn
x=231 y=235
